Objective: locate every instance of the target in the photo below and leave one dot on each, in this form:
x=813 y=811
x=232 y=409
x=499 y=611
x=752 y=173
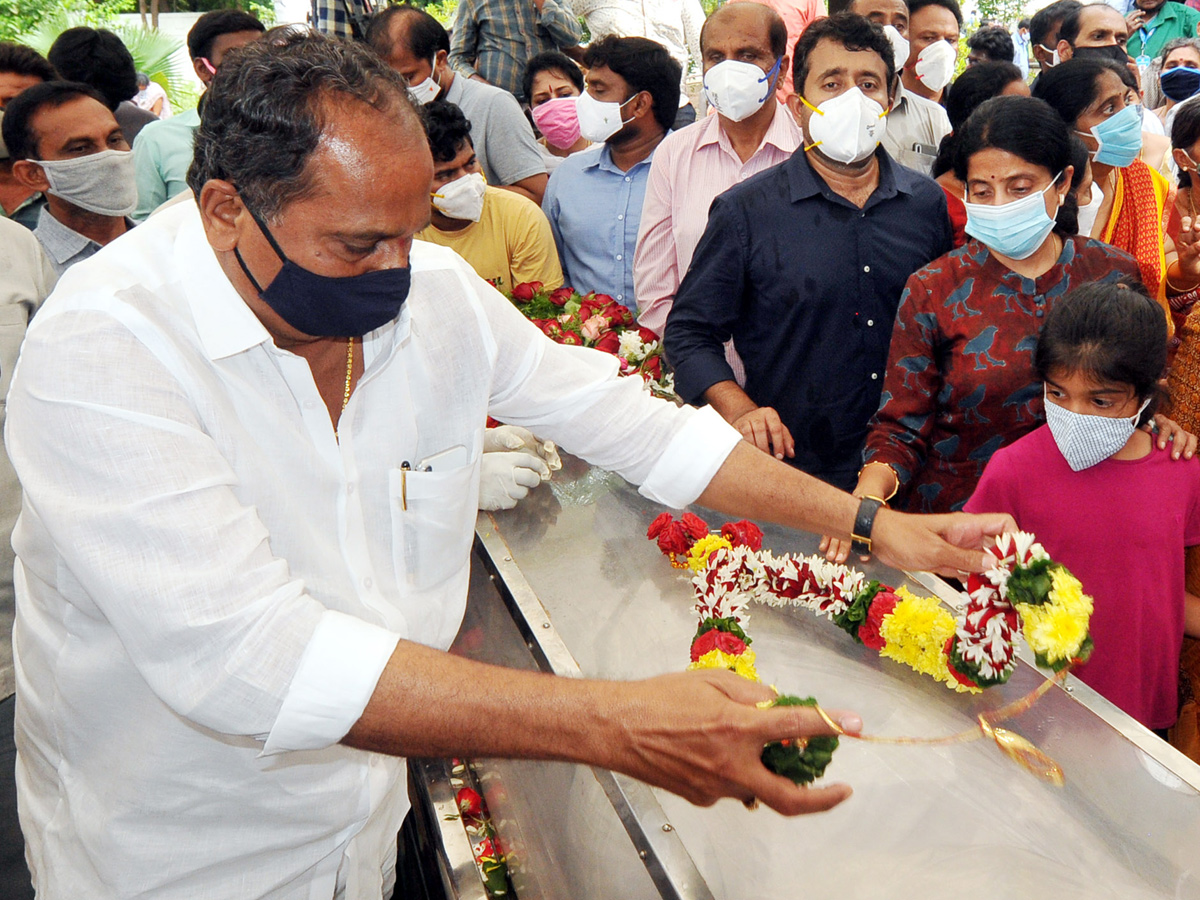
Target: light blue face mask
x=1015 y=229
x=1119 y=138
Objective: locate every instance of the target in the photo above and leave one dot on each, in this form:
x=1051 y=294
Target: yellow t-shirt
x=510 y=244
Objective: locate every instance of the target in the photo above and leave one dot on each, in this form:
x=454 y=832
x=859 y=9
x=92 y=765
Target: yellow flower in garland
x=740 y=664
x=916 y=633
x=1054 y=632
x=704 y=548
x=1067 y=592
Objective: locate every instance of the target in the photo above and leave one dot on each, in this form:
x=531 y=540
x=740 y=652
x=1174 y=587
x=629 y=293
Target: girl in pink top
x=1103 y=499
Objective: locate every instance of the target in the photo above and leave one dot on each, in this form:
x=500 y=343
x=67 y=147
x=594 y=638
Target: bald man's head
x=753 y=20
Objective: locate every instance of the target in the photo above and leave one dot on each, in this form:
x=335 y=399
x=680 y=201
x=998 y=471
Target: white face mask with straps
x=462 y=198
x=848 y=127
x=104 y=183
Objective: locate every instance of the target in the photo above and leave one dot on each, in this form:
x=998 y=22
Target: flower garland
x=597 y=320
x=1023 y=591
x=491 y=860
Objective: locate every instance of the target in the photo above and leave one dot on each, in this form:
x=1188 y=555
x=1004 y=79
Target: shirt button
x=620 y=296
x=866 y=268
x=310 y=404
x=350 y=490
x=870 y=322
x=618 y=257
x=368 y=583
x=627 y=178
x=1040 y=313
x=621 y=217
x=874 y=376
x=862 y=215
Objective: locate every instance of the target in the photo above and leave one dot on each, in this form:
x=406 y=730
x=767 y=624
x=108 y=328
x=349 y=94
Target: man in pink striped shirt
x=797 y=15
x=696 y=163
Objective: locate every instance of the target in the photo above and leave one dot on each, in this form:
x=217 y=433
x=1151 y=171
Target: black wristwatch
x=863 y=522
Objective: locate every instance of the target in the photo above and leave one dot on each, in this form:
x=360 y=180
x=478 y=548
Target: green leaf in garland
x=1085 y=650
x=855 y=613
x=958 y=664
x=1030 y=584
x=802 y=765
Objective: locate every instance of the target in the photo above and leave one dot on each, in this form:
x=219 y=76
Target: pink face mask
x=557 y=121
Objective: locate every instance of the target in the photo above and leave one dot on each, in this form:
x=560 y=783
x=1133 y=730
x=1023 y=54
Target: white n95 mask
x=1085 y=441
x=598 y=120
x=104 y=183
x=847 y=128
x=424 y=93
x=462 y=198
x=935 y=65
x=900 y=46
x=737 y=90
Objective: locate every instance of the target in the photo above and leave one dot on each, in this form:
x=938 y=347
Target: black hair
x=777 y=35
x=267 y=106
x=853 y=32
x=951 y=5
x=18 y=115
x=974 y=86
x=21 y=60
x=212 y=25
x=1046 y=21
x=423 y=35
x=1024 y=23
x=97 y=57
x=1029 y=129
x=1068 y=214
x=551 y=61
x=1071 y=87
x=1111 y=333
x=993 y=42
x=839 y=6
x=645 y=66
x=447 y=128
x=1185 y=131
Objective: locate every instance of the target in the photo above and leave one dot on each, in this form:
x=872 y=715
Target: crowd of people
x=936 y=284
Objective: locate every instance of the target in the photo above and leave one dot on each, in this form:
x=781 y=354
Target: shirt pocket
x=433 y=523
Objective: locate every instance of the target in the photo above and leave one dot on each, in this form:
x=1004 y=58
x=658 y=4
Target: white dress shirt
x=209 y=584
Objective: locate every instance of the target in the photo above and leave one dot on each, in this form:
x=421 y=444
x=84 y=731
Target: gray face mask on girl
x=1084 y=440
x=104 y=183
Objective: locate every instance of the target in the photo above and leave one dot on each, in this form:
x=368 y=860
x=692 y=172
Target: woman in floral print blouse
x=960 y=380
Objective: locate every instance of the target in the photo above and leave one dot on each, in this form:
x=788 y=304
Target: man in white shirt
x=249 y=439
x=675 y=24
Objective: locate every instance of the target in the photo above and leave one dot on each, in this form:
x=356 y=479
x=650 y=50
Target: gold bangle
x=895 y=478
x=881 y=501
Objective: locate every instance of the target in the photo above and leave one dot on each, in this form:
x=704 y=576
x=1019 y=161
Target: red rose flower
x=674 y=539
x=609 y=342
x=571 y=338
x=470 y=804
x=881 y=606
x=652 y=368
x=715 y=639
x=617 y=314
x=647 y=335
x=954 y=673
x=743 y=534
x=694 y=525
x=561 y=296
x=659 y=523
x=550 y=327
x=525 y=291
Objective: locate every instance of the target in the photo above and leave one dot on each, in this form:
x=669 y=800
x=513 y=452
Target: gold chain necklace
x=349 y=377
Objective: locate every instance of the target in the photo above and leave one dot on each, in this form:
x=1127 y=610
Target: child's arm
x=1191 y=615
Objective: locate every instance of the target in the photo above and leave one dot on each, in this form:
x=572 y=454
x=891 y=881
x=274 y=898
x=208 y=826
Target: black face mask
x=323 y=306
x=1113 y=51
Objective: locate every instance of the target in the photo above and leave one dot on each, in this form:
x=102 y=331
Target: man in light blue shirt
x=594 y=198
x=162 y=151
x=1021 y=47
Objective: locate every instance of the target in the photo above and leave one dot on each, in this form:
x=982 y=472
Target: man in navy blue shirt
x=803 y=265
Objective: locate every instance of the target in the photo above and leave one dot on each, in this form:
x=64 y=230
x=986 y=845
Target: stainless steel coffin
x=568 y=583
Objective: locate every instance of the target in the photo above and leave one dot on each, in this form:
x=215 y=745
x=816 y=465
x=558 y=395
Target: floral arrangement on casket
x=598 y=321
x=1023 y=592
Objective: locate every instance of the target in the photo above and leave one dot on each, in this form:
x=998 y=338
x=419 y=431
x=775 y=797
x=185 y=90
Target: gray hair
x=268 y=105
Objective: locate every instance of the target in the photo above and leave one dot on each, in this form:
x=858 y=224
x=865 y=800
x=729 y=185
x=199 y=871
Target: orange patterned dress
x=1140 y=209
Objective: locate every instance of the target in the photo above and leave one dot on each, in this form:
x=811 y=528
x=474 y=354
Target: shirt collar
x=225 y=323
x=59 y=241
x=604 y=162
x=782 y=133
x=804 y=182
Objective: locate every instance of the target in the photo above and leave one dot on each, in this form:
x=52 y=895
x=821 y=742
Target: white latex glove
x=514 y=437
x=506 y=477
